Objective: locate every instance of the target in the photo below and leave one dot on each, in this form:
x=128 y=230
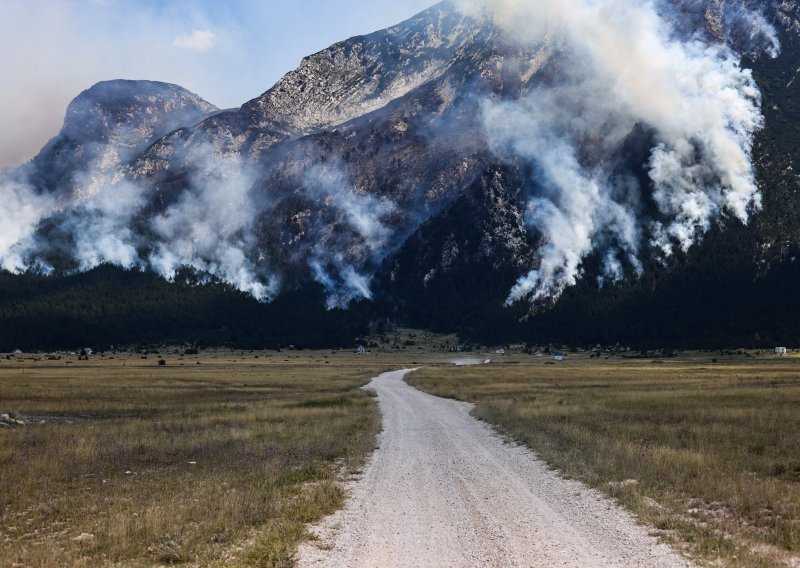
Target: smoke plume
x=359 y=238
x=207 y=228
x=212 y=227
x=22 y=210
x=623 y=66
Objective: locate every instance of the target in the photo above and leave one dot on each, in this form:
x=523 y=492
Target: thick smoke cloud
x=22 y=210
x=208 y=228
x=624 y=66
x=212 y=227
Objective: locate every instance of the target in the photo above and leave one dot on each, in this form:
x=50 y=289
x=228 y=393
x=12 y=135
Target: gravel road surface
x=445 y=490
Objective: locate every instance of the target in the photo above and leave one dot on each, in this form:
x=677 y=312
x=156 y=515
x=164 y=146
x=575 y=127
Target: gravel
x=444 y=489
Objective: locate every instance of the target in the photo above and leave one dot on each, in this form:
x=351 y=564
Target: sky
x=227 y=51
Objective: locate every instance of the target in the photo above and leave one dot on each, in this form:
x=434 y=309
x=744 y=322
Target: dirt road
x=444 y=489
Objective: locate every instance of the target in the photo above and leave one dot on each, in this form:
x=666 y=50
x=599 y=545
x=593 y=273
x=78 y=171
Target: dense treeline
x=708 y=303
x=714 y=298
x=111 y=306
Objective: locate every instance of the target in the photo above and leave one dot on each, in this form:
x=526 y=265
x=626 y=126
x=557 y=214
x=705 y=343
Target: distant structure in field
x=780 y=351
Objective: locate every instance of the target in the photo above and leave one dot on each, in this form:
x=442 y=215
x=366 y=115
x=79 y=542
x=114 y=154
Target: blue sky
x=227 y=51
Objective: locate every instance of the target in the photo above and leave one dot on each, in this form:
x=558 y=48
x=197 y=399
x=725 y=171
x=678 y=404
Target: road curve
x=444 y=489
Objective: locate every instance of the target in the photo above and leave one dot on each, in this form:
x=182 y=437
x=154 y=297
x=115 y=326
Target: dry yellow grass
x=128 y=463
x=713 y=448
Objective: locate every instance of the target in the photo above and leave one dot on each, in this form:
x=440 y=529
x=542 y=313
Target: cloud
x=198 y=40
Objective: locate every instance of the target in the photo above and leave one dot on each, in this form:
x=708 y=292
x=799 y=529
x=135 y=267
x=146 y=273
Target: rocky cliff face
x=346 y=81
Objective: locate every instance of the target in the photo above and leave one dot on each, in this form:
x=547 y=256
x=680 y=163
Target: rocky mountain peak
x=421 y=155
x=130 y=113
x=107 y=125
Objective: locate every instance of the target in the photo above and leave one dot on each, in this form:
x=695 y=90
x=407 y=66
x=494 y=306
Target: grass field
x=223 y=458
x=220 y=458
x=707 y=453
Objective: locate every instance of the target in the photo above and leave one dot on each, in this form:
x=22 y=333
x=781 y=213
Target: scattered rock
x=5 y=417
x=84 y=537
x=623 y=484
x=4 y=425
x=652 y=503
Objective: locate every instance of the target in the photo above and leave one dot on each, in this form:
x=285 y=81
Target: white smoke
x=207 y=228
x=210 y=227
x=621 y=65
x=101 y=226
x=750 y=30
x=363 y=218
x=20 y=214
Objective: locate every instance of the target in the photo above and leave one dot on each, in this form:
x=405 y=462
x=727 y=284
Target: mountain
x=457 y=171
x=108 y=125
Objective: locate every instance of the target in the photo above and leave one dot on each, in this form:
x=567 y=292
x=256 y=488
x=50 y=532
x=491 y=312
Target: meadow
x=224 y=457
x=204 y=460
x=703 y=448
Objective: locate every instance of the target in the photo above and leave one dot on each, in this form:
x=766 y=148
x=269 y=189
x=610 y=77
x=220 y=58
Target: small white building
x=500 y=352
x=780 y=351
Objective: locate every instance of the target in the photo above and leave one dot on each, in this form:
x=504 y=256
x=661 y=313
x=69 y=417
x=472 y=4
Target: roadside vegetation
x=203 y=460
x=706 y=453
